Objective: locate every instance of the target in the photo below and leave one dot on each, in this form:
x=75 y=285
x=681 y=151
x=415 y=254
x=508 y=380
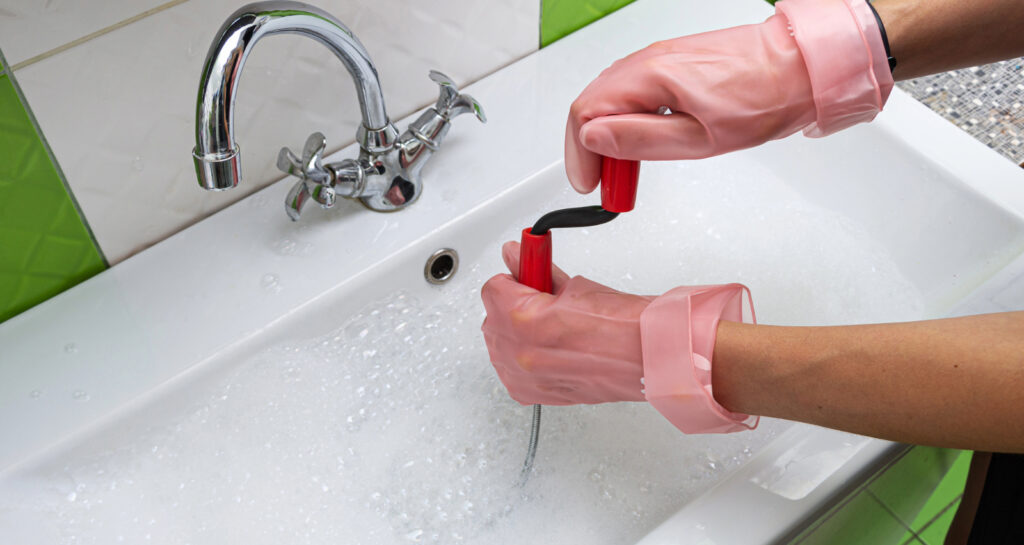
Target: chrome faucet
x=385 y=176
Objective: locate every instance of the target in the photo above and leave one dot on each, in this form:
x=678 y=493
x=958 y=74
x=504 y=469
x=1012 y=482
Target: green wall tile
x=906 y=487
x=935 y=532
x=932 y=523
x=924 y=486
x=861 y=521
x=45 y=247
x=561 y=17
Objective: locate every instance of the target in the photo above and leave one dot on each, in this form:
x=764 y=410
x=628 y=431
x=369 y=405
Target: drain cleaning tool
x=618 y=194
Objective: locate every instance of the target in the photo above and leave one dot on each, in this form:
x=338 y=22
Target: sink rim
x=86 y=310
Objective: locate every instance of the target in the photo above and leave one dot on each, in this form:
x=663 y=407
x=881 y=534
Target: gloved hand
x=588 y=343
x=817 y=65
x=579 y=345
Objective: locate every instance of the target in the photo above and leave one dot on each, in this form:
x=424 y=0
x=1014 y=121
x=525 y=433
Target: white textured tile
x=31 y=27
x=119 y=110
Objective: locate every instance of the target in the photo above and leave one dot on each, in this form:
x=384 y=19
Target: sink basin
x=256 y=380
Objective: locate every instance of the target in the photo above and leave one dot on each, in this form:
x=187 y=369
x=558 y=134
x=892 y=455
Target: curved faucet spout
x=216 y=152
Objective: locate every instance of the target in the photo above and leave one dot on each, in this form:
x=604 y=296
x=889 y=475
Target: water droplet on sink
x=271 y=283
x=292 y=374
x=286 y=246
x=35 y=394
x=80 y=395
x=71 y=348
x=137 y=164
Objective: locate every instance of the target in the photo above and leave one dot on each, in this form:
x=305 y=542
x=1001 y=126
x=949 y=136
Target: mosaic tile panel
x=983 y=100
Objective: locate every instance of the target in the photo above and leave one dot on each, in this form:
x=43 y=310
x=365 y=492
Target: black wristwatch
x=885 y=38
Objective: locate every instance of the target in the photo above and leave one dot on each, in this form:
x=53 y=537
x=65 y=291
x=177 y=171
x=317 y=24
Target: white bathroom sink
x=256 y=380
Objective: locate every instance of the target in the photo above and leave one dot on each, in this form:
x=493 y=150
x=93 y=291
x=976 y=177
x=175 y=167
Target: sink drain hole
x=441 y=266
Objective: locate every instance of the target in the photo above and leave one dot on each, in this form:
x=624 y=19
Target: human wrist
x=895 y=17
x=731 y=365
x=885 y=36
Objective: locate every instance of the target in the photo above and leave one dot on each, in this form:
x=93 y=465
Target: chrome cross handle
x=451 y=103
x=323 y=183
x=314 y=180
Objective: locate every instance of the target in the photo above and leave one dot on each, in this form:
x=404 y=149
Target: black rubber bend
x=584 y=216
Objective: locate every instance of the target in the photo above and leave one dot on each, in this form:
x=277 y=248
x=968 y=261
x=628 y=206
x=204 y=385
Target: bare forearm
x=955 y=383
x=931 y=36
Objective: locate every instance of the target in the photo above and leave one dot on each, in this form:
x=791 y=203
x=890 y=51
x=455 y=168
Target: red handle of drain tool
x=535 y=261
x=619 y=179
x=618 y=194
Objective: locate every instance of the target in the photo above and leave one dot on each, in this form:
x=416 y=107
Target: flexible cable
x=584 y=216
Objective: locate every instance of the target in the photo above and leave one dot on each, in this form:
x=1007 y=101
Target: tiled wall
x=911 y=502
x=113 y=86
x=118 y=108
x=561 y=17
x=45 y=247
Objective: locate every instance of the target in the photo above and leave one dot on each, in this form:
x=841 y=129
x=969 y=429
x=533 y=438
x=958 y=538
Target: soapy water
x=393 y=428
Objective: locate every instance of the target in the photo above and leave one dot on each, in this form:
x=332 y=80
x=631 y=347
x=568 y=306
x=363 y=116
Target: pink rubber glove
x=816 y=65
x=580 y=345
x=588 y=343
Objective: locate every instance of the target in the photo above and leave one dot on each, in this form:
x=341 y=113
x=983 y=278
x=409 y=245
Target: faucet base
x=399 y=194
x=377 y=140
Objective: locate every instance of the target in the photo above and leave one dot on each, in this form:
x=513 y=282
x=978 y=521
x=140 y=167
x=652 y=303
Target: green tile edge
x=559 y=18
x=862 y=520
x=936 y=474
x=45 y=245
x=839 y=524
x=933 y=521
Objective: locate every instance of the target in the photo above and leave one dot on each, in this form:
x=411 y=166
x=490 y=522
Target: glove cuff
x=677 y=333
x=843 y=49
